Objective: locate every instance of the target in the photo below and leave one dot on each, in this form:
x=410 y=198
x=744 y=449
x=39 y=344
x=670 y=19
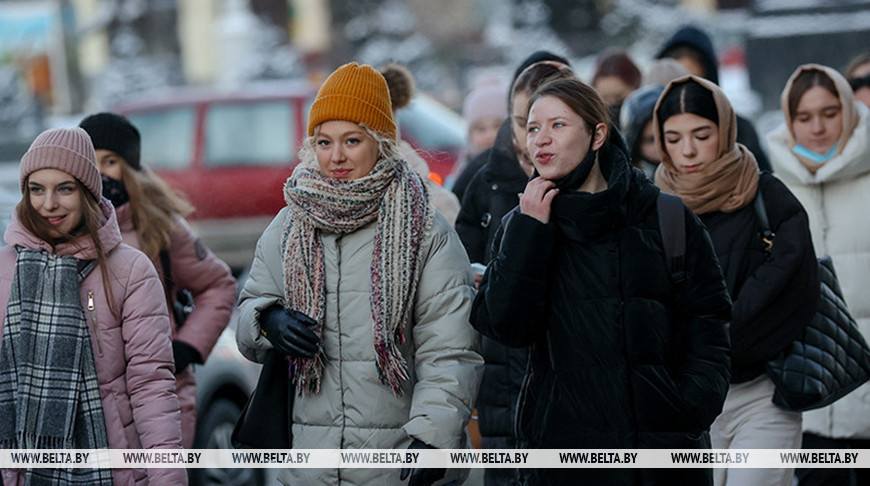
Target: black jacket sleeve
x=511 y=305
x=748 y=136
x=704 y=309
x=468 y=224
x=468 y=173
x=780 y=296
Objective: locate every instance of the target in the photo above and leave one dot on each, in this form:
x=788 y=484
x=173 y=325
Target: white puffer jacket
x=353 y=409
x=837 y=200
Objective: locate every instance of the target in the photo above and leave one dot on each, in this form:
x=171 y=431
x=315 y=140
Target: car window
x=250 y=134
x=167 y=136
x=432 y=125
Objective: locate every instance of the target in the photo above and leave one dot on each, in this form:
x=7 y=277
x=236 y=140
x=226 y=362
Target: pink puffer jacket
x=133 y=355
x=195 y=268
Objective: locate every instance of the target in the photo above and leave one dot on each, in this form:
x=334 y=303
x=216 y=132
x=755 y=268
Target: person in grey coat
x=367 y=290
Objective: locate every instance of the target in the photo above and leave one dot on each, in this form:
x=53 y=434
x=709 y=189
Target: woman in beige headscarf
x=821 y=152
x=774 y=289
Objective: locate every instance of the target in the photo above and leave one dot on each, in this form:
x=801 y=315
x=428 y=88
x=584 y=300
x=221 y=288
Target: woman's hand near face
x=537 y=199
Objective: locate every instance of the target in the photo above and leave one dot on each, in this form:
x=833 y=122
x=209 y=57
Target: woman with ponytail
x=623 y=355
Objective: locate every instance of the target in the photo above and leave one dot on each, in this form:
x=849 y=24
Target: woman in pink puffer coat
x=87 y=312
x=182 y=261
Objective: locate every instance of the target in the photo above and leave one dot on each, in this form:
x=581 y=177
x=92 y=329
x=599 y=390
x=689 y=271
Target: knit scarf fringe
x=396 y=198
x=26 y=440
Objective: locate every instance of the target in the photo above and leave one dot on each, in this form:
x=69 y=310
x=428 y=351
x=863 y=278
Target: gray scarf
x=49 y=394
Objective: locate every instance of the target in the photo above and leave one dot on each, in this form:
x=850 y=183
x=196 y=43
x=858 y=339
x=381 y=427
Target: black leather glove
x=184 y=354
x=421 y=476
x=289 y=332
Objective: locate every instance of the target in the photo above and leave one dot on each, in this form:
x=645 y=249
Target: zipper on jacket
x=338 y=334
x=93 y=312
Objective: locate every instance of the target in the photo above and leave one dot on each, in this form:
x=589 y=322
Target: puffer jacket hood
x=851 y=161
x=698 y=40
x=636 y=111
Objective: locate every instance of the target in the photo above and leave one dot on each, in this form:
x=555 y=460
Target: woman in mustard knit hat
x=85 y=353
x=367 y=291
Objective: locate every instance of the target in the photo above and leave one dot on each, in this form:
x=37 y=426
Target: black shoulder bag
x=182 y=305
x=830 y=358
x=265 y=421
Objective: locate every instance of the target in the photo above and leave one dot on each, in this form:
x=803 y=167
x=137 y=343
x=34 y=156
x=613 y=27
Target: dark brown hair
x=616 y=62
x=805 y=81
x=536 y=75
x=580 y=97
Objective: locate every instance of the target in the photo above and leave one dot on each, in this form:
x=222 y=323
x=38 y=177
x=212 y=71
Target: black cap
x=114 y=132
x=535 y=57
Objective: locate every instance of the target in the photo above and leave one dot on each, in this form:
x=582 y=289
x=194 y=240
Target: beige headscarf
x=728 y=183
x=847 y=101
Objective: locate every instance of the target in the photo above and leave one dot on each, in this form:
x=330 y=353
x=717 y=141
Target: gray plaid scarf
x=49 y=394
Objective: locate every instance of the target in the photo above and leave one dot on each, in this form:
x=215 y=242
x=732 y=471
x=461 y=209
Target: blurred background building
x=61 y=58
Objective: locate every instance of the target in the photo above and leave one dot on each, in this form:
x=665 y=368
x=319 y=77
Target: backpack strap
x=766 y=234
x=672 y=223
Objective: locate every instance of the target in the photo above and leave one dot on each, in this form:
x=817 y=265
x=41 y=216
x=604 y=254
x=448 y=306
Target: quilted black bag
x=830 y=358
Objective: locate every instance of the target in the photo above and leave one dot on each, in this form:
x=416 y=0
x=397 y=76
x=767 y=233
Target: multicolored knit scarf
x=391 y=194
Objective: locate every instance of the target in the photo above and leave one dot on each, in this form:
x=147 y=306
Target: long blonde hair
x=153 y=204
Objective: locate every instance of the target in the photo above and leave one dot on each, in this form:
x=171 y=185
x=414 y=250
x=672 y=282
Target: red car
x=231 y=152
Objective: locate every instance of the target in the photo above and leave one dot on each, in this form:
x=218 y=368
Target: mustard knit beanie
x=66 y=149
x=355 y=93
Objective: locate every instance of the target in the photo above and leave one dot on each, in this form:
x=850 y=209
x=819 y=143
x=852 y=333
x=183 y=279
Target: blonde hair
x=387 y=147
x=153 y=204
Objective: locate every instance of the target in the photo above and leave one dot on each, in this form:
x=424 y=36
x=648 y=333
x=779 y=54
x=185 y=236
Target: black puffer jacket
x=773 y=299
x=490 y=195
x=622 y=358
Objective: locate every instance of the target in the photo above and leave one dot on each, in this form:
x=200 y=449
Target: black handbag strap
x=168 y=283
x=766 y=234
x=672 y=223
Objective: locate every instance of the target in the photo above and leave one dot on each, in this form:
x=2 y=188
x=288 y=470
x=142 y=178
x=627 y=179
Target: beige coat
x=836 y=199
x=353 y=409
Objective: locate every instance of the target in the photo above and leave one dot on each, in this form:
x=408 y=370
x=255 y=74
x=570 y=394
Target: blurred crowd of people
x=532 y=303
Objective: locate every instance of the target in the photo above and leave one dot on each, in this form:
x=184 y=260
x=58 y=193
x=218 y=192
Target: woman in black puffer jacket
x=490 y=195
x=775 y=289
x=623 y=357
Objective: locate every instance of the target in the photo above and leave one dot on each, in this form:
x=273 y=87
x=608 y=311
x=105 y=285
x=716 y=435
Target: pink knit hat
x=66 y=149
x=489 y=99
